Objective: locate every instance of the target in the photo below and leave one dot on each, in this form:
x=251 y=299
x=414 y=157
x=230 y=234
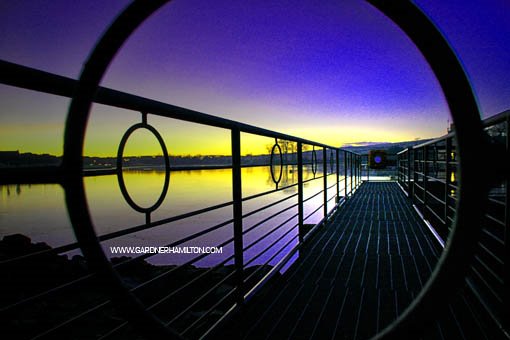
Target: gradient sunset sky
x=332 y=71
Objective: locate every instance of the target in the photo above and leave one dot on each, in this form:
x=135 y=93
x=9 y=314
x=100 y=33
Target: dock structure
x=356 y=275
x=357 y=251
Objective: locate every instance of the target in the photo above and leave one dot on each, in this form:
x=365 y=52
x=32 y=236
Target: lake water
x=39 y=211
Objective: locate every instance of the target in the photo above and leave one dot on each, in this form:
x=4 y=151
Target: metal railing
x=428 y=175
x=184 y=300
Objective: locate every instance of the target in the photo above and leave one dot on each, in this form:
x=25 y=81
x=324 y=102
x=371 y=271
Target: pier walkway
x=355 y=276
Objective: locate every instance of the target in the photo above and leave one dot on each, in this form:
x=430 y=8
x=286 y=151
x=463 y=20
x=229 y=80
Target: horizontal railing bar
x=496 y=201
x=494 y=237
x=436 y=215
x=193 y=260
x=105 y=237
x=497 y=119
x=487 y=268
x=418 y=186
x=486 y=284
x=67 y=248
x=436 y=198
x=269 y=218
x=33 y=79
x=435 y=179
x=419 y=199
x=131 y=102
x=434 y=141
x=331 y=198
x=289 y=255
x=313 y=212
x=266 y=235
x=151 y=225
x=198 y=300
x=276 y=253
x=481 y=301
x=491 y=254
x=313 y=196
x=495 y=220
x=121 y=264
x=253 y=212
x=176 y=243
x=132 y=290
x=46 y=293
x=197 y=321
x=113 y=331
x=189 y=283
x=488 y=122
x=248 y=198
x=453 y=186
x=70 y=320
x=56 y=250
x=331 y=186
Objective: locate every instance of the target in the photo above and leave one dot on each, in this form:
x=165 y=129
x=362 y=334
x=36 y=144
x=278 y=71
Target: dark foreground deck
x=355 y=276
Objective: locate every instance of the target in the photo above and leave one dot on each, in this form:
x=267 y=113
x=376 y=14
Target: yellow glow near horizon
x=184 y=139
x=107 y=126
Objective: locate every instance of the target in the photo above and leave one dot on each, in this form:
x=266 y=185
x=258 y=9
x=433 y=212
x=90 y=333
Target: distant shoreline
x=113 y=171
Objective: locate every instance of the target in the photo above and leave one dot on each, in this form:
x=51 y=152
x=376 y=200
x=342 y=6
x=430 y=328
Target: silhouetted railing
x=428 y=174
x=159 y=290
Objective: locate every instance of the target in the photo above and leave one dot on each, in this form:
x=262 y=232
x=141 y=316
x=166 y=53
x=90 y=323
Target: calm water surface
x=39 y=211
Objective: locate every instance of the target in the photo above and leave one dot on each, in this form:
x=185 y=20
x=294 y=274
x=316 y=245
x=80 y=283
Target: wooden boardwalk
x=355 y=276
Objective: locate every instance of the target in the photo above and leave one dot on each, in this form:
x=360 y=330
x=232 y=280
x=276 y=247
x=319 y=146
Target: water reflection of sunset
x=188 y=191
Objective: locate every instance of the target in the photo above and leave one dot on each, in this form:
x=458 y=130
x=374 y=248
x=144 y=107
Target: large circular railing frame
x=453 y=264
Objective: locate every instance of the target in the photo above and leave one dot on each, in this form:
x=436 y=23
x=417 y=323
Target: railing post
x=350 y=172
x=325 y=181
x=448 y=149
x=337 y=167
x=355 y=171
x=300 y=191
x=409 y=165
x=400 y=169
x=368 y=170
x=345 y=174
x=425 y=174
x=238 y=214
x=359 y=169
x=415 y=172
x=358 y=165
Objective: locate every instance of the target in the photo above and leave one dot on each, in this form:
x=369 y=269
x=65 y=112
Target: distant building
x=8 y=158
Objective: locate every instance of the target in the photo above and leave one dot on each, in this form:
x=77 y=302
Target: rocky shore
x=65 y=287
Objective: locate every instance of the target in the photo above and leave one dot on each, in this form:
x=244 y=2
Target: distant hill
x=391 y=148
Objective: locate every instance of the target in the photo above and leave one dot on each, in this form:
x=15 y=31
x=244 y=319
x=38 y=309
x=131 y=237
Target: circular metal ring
x=78 y=115
x=314 y=162
x=276 y=146
x=454 y=263
x=120 y=175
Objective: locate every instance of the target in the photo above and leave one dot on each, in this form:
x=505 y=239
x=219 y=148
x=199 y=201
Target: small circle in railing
x=120 y=175
x=271 y=165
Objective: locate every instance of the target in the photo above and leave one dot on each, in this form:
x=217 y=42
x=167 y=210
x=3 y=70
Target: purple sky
x=335 y=72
